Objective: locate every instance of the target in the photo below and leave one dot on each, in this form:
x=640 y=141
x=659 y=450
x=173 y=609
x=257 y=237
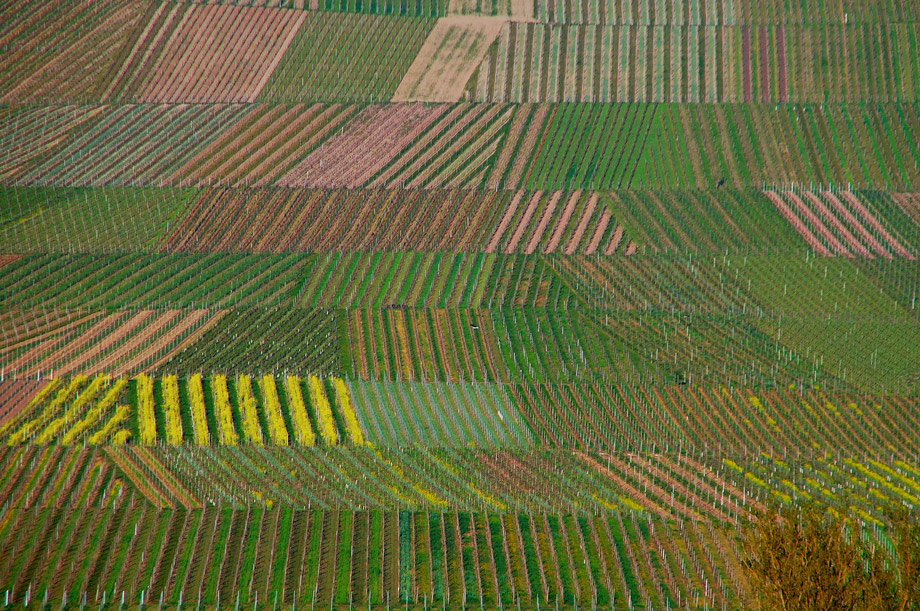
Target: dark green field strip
x=432 y=280
x=897 y=282
x=265 y=340
x=871 y=355
x=852 y=146
x=797 y=284
x=715 y=220
x=22 y=205
x=340 y=558
x=379 y=280
x=761 y=284
x=591 y=147
x=145 y=281
x=338 y=58
x=404 y=8
x=733 y=12
x=108 y=219
x=796 y=287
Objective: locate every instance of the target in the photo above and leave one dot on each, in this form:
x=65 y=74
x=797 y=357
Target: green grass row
x=794 y=285
x=346 y=58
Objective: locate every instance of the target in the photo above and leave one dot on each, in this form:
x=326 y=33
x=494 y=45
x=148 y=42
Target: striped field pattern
x=452 y=304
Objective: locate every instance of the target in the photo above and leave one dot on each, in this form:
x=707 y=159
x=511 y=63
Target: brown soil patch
x=448 y=58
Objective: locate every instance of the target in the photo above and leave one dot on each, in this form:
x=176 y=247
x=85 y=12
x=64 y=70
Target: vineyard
x=595 y=62
x=458 y=304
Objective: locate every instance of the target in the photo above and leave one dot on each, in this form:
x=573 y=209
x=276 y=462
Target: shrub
x=804 y=559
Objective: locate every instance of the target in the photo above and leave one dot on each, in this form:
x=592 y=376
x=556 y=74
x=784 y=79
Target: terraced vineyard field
x=596 y=62
x=494 y=304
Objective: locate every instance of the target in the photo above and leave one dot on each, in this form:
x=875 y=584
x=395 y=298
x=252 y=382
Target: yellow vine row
x=249 y=408
x=173 y=418
x=146 y=419
x=302 y=428
x=323 y=412
x=96 y=413
x=199 y=418
x=276 y=427
x=226 y=434
x=351 y=419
